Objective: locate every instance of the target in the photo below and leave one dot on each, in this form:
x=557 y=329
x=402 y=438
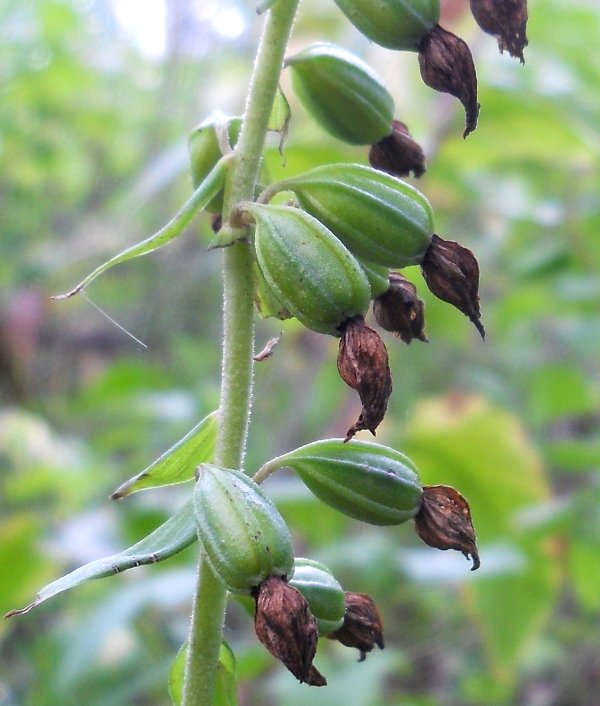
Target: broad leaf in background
x=178 y=464
x=483 y=451
x=225 y=687
x=172 y=537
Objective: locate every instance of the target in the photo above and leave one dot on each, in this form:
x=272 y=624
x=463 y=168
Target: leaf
x=279 y=120
x=225 y=686
x=178 y=464
x=264 y=5
x=170 y=538
x=207 y=190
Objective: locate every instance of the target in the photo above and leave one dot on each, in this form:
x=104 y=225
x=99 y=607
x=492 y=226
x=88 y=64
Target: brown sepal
x=447 y=66
x=400 y=310
x=362 y=625
x=398 y=154
x=452 y=274
x=444 y=522
x=287 y=628
x=507 y=21
x=363 y=365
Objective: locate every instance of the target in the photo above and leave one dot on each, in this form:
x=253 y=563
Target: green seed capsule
x=378 y=217
x=243 y=535
x=367 y=481
x=309 y=270
x=342 y=94
x=324 y=595
x=378 y=276
x=396 y=24
x=205 y=152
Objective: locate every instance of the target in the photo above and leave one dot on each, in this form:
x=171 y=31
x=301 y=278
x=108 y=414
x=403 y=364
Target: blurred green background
x=96 y=101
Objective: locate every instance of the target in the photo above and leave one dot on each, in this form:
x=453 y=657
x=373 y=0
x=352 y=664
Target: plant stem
x=208 y=611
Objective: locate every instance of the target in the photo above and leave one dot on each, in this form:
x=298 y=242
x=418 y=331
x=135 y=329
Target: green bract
x=342 y=93
x=396 y=24
x=367 y=481
x=309 y=270
x=205 y=151
x=379 y=218
x=324 y=595
x=243 y=535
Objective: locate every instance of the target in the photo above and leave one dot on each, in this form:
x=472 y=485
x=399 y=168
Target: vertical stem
x=208 y=611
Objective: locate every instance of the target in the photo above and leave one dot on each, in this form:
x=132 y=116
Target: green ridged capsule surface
x=243 y=535
x=370 y=482
x=326 y=598
x=378 y=276
x=204 y=150
x=380 y=218
x=309 y=270
x=342 y=94
x=396 y=24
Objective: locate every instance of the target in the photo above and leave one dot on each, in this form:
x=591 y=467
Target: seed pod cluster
x=378 y=217
x=342 y=94
x=323 y=593
x=395 y=24
x=241 y=531
x=308 y=269
x=370 y=482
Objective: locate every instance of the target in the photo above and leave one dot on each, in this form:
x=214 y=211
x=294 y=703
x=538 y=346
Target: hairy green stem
x=208 y=612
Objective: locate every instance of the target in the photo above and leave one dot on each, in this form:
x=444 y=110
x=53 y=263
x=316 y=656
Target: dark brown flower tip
x=362 y=625
x=452 y=274
x=444 y=522
x=447 y=66
x=398 y=154
x=287 y=628
x=363 y=365
x=507 y=21
x=400 y=310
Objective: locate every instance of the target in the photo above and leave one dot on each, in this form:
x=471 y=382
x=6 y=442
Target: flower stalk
x=208 y=613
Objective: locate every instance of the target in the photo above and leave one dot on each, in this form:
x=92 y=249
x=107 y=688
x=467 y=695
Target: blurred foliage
x=92 y=140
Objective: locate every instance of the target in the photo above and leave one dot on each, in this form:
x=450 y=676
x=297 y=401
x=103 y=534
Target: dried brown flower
x=398 y=154
x=362 y=625
x=363 y=365
x=506 y=20
x=452 y=274
x=444 y=522
x=400 y=310
x=287 y=628
x=447 y=65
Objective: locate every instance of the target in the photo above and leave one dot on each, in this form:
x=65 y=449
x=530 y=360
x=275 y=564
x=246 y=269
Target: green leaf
x=177 y=533
x=279 y=120
x=225 y=686
x=264 y=5
x=178 y=464
x=207 y=190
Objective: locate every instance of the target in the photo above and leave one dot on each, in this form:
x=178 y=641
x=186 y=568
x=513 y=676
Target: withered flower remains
x=363 y=365
x=447 y=66
x=452 y=274
x=398 y=154
x=400 y=310
x=444 y=522
x=287 y=628
x=506 y=20
x=362 y=625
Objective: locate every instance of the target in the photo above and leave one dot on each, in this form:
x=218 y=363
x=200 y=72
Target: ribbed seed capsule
x=396 y=24
x=309 y=270
x=378 y=217
x=325 y=596
x=342 y=94
x=205 y=151
x=367 y=481
x=243 y=535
